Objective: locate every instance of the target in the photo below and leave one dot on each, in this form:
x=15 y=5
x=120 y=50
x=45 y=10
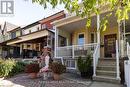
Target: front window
x=81 y=39
x=92 y=37
x=13 y=35
x=63 y=41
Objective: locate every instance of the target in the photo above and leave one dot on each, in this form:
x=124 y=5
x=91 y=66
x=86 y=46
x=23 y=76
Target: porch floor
x=69 y=80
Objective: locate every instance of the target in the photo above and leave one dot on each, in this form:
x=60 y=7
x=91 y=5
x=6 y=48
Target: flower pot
x=56 y=76
x=33 y=75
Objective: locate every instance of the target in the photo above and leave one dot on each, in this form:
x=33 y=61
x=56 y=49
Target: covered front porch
x=31 y=44
x=74 y=39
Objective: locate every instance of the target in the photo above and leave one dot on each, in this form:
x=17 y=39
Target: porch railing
x=75 y=51
x=128 y=50
x=96 y=56
x=127 y=72
x=127 y=67
x=4 y=38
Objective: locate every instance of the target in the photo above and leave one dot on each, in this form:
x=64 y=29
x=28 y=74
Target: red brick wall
x=48 y=23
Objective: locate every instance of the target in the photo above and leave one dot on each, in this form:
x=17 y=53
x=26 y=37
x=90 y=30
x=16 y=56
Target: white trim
x=119 y=33
x=71 y=68
x=98 y=30
x=67 y=41
x=70 y=62
x=117 y=62
x=79 y=45
x=127 y=33
x=55 y=42
x=68 y=48
x=61 y=58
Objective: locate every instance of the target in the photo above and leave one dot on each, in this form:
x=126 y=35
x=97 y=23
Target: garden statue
x=45 y=60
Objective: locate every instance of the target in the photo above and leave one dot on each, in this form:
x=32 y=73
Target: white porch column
x=119 y=31
x=56 y=41
x=124 y=38
x=98 y=41
x=98 y=31
x=21 y=50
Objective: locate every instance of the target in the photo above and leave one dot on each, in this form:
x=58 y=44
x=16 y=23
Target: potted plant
x=57 y=69
x=85 y=67
x=32 y=69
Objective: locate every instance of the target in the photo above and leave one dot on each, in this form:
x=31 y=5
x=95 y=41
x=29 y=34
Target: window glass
x=13 y=35
x=128 y=38
x=81 y=39
x=92 y=37
x=63 y=41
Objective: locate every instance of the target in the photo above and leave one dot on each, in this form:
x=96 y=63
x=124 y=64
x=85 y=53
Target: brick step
x=106 y=79
x=106 y=73
x=107 y=68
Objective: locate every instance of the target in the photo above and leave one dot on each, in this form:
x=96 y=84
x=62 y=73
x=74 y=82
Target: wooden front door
x=109 y=45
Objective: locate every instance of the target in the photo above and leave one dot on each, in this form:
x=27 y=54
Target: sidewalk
x=88 y=82
x=69 y=80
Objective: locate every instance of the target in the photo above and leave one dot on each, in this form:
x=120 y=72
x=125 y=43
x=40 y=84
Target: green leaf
x=88 y=7
x=88 y=22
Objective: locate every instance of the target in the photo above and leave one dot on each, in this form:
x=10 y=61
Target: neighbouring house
x=36 y=36
x=106 y=48
x=0 y=40
x=9 y=32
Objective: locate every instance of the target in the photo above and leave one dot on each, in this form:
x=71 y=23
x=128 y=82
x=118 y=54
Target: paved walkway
x=69 y=80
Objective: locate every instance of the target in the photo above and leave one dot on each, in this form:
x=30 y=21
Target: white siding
x=32 y=29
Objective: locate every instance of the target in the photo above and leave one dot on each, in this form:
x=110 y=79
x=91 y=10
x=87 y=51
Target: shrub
x=32 y=68
x=6 y=67
x=57 y=68
x=85 y=66
x=18 y=68
x=10 y=67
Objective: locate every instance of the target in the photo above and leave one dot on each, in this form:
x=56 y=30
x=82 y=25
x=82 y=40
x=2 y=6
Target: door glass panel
x=128 y=38
x=81 y=39
x=92 y=37
x=109 y=45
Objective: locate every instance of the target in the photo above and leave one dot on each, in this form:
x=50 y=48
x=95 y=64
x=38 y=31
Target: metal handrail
x=117 y=61
x=95 y=59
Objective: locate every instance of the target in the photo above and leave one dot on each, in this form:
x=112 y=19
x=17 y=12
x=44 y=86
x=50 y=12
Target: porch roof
x=73 y=18
x=30 y=37
x=74 y=22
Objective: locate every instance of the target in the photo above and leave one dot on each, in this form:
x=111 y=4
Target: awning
x=34 y=35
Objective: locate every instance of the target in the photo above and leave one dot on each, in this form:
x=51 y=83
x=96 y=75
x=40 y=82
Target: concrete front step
x=107 y=58
x=106 y=63
x=106 y=79
x=107 y=68
x=106 y=73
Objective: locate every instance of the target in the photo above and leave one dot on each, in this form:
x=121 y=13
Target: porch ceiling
x=70 y=27
x=78 y=25
x=128 y=21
